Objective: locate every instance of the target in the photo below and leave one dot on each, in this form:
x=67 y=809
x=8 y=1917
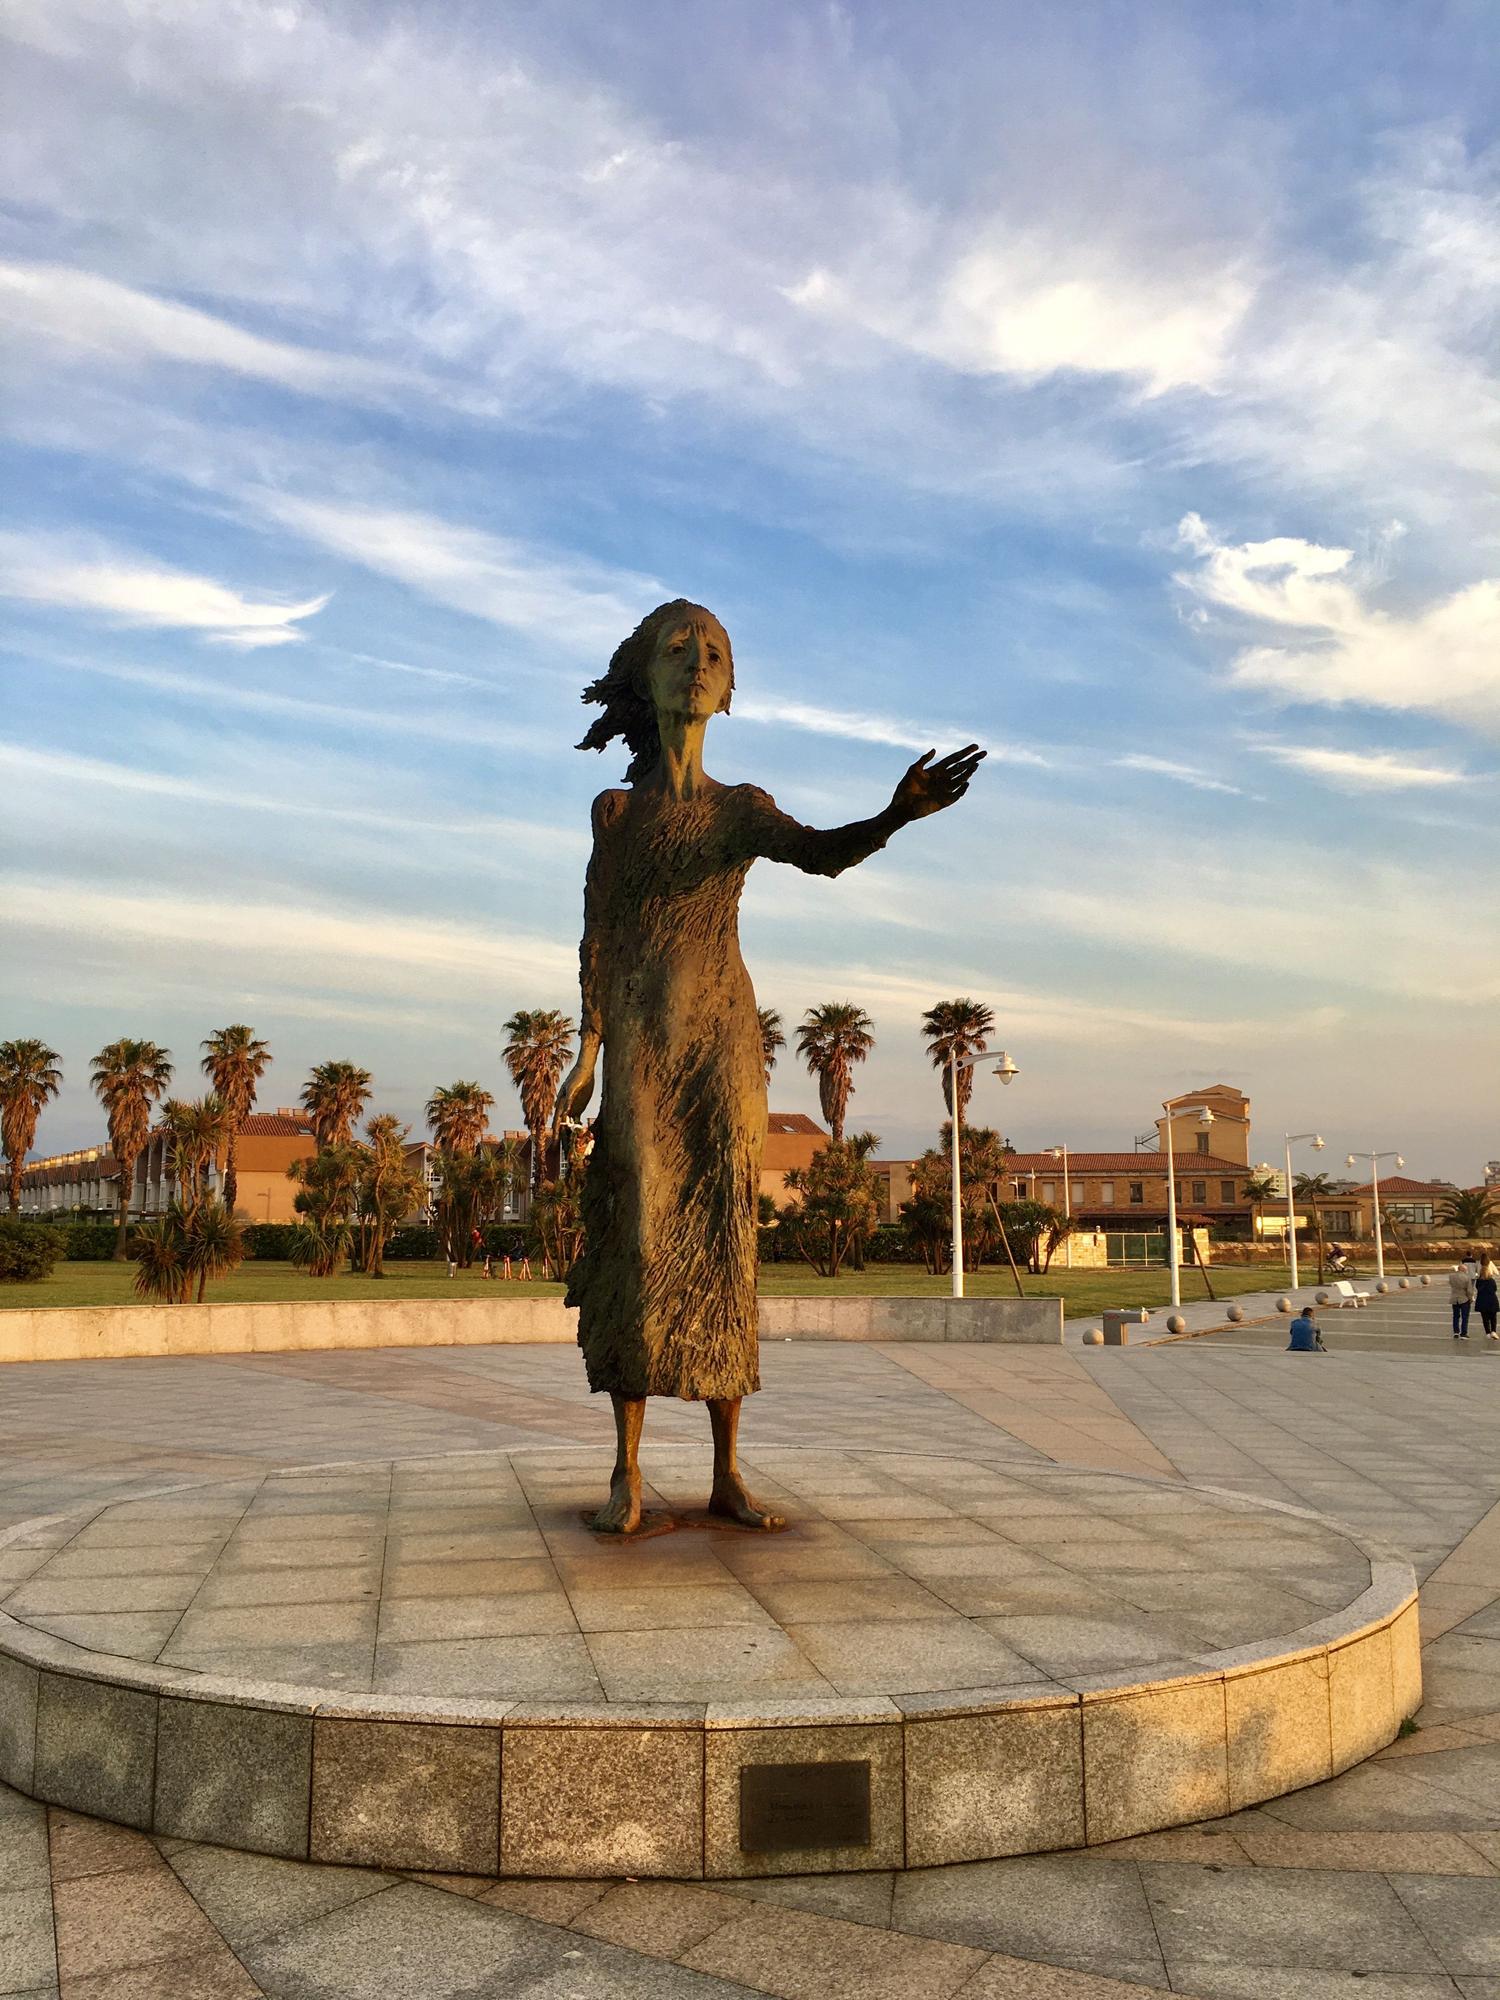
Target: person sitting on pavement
x=1306 y=1337
x=1461 y=1298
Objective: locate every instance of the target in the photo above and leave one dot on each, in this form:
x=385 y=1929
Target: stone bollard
x=1234 y=1314
x=1283 y=1305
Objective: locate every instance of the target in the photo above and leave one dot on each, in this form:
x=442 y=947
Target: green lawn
x=1085 y=1292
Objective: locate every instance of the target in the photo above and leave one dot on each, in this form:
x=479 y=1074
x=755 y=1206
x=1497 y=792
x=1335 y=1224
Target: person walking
x=1487 y=1296
x=1306 y=1337
x=1461 y=1298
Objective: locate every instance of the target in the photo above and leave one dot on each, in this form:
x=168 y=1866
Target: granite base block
x=406 y=1795
x=982 y=1786
x=234 y=1776
x=96 y=1749
x=1153 y=1759
x=728 y=1751
x=584 y=1802
x=18 y=1694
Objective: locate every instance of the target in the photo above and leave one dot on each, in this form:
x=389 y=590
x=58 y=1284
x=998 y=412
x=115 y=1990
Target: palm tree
x=327 y=1189
x=457 y=1115
x=334 y=1097
x=215 y=1245
x=1467 y=1211
x=1258 y=1190
x=961 y=1028
x=537 y=1051
x=771 y=1038
x=389 y=1188
x=29 y=1076
x=831 y=1039
x=195 y=1132
x=1313 y=1189
x=234 y=1061
x=128 y=1078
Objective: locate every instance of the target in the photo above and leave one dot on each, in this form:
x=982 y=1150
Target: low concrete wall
x=113 y=1333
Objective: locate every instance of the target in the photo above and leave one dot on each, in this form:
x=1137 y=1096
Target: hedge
x=28 y=1250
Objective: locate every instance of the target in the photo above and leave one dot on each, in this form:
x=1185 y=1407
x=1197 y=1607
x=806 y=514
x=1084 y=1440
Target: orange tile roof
x=794 y=1121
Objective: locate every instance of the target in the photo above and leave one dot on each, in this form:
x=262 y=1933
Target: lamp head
x=1056 y=1152
x=1399 y=1161
x=1205 y=1116
x=1350 y=1161
x=1318 y=1142
x=1005 y=1069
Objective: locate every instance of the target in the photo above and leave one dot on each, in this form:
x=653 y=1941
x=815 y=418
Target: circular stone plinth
x=940 y=1659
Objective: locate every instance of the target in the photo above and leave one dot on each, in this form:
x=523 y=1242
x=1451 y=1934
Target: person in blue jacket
x=1306 y=1339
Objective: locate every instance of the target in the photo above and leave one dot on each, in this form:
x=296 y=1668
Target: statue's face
x=688 y=674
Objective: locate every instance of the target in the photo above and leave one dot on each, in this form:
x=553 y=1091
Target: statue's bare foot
x=621 y=1513
x=731 y=1502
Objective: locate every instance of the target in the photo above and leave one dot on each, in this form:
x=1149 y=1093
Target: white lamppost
x=1375 y=1159
x=1005 y=1069
x=1292 y=1139
x=1061 y=1153
x=1205 y=1119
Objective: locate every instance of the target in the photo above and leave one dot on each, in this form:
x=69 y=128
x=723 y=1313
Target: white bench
x=1343 y=1293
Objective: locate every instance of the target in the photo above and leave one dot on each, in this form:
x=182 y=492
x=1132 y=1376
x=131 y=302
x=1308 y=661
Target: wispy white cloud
x=1363 y=770
x=340 y=715
x=1169 y=767
x=585 y=607
x=54 y=768
x=64 y=575
x=342 y=949
x=55 y=303
x=1444 y=660
x=1027 y=305
x=859 y=727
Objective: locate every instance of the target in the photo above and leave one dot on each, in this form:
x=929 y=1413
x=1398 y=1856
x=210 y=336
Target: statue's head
x=677 y=662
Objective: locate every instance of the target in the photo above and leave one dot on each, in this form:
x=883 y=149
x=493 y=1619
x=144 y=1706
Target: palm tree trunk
x=127 y=1188
x=1318 y=1223
x=16 y=1166
x=231 y=1176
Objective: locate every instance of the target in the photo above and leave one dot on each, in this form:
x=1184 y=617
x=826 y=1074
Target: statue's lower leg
x=729 y=1497
x=621 y=1513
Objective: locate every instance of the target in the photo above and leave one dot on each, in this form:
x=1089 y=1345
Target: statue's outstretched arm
x=927 y=787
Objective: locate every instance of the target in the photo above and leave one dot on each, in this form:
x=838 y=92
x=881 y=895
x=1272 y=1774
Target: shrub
x=28 y=1250
x=418 y=1242
x=270 y=1241
x=90 y=1242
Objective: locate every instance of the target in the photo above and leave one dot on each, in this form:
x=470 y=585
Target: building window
x=1339 y=1221
x=1049 y=1192
x=1078 y=1194
x=1408 y=1211
x=1018 y=1190
x=1226 y=1190
x=1138 y=1191
x=1200 y=1190
x=1107 y=1194
x=1201 y=1140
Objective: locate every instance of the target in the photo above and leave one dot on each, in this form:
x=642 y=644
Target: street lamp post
x=1005 y=1069
x=1375 y=1159
x=1292 y=1139
x=1205 y=1119
x=1061 y=1153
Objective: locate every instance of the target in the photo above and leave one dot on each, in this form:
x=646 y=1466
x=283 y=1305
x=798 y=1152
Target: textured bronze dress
x=666 y=1285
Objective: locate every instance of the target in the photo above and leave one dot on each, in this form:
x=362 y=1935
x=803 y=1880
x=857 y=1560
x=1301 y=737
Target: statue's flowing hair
x=621 y=691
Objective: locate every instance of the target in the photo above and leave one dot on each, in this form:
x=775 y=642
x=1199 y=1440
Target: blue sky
x=1116 y=387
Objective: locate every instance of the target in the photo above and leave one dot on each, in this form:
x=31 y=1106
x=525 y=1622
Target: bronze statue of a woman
x=665 y=1288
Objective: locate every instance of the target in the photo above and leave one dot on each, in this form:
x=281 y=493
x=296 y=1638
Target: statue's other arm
x=578 y=1086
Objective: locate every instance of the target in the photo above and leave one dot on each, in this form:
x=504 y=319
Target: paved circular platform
x=434 y=1664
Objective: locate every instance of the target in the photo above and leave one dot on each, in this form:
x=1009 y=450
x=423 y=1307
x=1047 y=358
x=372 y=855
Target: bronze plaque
x=786 y=1806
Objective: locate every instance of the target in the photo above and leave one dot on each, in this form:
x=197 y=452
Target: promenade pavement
x=1384 y=1883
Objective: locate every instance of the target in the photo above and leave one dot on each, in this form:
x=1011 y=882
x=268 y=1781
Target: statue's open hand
x=928 y=787
x=576 y=1089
